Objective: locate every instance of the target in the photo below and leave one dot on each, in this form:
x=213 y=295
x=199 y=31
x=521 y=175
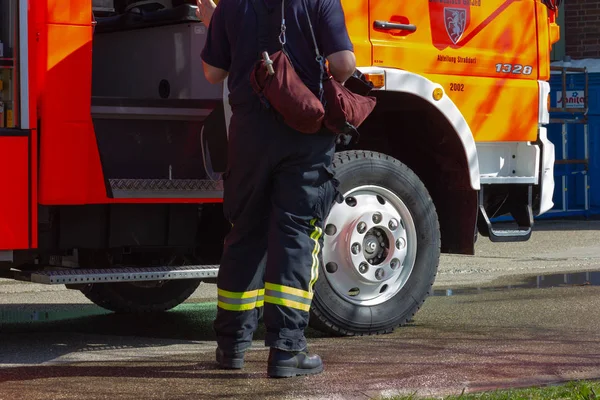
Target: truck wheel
x=141 y=297
x=381 y=248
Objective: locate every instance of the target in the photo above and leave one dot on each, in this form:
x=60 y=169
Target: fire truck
x=113 y=149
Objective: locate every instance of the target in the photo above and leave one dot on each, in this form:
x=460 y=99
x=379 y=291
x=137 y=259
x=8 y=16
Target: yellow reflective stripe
x=287 y=303
x=236 y=307
x=314 y=270
x=288 y=290
x=286 y=296
x=240 y=301
x=238 y=295
x=260 y=300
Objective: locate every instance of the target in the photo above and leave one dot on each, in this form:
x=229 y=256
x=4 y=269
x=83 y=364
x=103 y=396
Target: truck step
x=132 y=274
x=166 y=188
x=521 y=211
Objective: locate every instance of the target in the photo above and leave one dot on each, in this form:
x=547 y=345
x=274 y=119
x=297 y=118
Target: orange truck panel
x=357 y=22
x=69 y=12
x=482 y=52
x=545 y=39
x=70 y=168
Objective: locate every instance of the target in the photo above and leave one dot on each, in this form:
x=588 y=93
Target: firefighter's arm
x=213 y=74
x=216 y=55
x=335 y=42
x=342 y=65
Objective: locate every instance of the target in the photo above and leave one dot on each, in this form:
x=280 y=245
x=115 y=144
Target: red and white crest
x=455 y=22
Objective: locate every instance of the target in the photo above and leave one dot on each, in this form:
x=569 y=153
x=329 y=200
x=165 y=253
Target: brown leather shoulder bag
x=274 y=79
x=345 y=111
x=277 y=83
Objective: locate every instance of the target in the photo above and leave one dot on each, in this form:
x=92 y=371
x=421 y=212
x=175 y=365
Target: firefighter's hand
x=205 y=11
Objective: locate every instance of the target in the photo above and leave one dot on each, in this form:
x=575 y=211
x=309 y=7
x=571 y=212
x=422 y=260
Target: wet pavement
x=506 y=330
x=572 y=279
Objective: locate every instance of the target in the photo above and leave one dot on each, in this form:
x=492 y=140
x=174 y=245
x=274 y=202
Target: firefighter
x=279 y=185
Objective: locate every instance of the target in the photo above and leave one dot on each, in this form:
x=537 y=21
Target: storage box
x=161 y=60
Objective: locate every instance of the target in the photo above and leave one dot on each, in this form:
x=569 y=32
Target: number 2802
x=514 y=69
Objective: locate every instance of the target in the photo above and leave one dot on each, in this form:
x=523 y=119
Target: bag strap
x=263 y=27
x=319 y=58
x=282 y=37
x=263 y=24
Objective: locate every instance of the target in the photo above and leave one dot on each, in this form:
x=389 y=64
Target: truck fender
x=403 y=81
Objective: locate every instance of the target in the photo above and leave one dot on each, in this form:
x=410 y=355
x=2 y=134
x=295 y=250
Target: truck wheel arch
x=435 y=141
x=407 y=82
x=400 y=81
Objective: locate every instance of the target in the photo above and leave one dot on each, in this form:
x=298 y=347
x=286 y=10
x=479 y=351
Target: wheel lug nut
x=395 y=264
x=377 y=217
x=393 y=225
x=363 y=268
x=355 y=248
x=379 y=274
x=400 y=243
x=331 y=267
x=330 y=230
x=351 y=201
x=362 y=227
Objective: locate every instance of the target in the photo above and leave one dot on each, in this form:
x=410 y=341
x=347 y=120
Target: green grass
x=580 y=390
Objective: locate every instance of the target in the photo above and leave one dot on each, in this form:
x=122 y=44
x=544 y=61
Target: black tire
x=332 y=313
x=134 y=298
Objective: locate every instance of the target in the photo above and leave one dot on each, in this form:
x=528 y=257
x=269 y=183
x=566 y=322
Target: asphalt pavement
x=513 y=315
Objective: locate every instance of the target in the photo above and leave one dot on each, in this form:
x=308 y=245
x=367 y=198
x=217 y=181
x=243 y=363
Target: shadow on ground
x=483 y=340
x=189 y=321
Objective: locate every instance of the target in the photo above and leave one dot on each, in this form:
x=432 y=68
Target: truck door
x=357 y=22
x=483 y=52
x=15 y=129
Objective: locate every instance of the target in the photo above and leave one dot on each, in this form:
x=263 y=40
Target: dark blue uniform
x=279 y=185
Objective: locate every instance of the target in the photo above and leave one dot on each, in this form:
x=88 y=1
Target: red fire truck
x=113 y=147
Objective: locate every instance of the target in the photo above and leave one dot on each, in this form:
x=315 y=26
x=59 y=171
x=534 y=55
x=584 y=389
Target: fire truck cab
x=113 y=148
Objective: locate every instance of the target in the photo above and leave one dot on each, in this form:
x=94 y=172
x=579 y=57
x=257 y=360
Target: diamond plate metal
x=169 y=188
x=79 y=276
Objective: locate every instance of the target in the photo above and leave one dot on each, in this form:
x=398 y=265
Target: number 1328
x=514 y=69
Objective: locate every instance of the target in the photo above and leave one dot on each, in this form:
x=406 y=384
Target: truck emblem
x=455 y=19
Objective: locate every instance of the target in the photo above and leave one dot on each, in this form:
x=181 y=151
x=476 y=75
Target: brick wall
x=581 y=29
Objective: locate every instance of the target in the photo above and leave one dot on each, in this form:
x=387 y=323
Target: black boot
x=230 y=361
x=285 y=364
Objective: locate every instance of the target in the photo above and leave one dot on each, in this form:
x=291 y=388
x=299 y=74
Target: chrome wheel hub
x=370 y=246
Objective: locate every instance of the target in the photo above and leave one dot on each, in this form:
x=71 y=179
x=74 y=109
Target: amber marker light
x=377 y=79
x=438 y=94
